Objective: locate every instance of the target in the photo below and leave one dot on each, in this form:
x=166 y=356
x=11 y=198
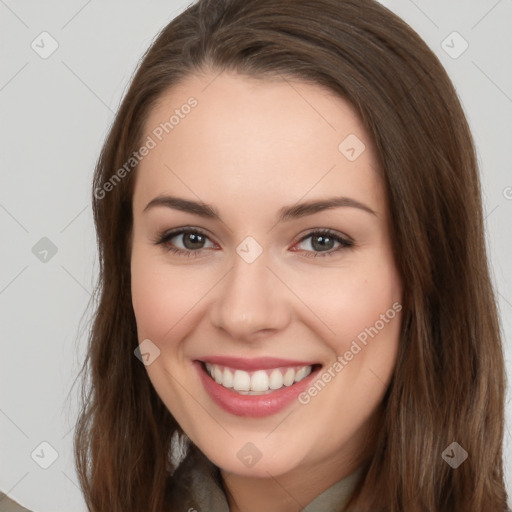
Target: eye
x=323 y=243
x=192 y=241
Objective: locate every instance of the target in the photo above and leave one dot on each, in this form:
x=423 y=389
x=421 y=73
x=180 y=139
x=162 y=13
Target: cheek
x=356 y=302
x=367 y=321
x=159 y=297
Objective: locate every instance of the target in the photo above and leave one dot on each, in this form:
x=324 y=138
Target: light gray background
x=55 y=113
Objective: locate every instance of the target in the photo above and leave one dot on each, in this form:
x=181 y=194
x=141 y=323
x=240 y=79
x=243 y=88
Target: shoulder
x=8 y=505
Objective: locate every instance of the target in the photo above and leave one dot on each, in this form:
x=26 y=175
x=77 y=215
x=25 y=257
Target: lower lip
x=255 y=406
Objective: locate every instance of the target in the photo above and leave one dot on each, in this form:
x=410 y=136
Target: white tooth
x=289 y=377
x=259 y=381
x=302 y=373
x=241 y=381
x=276 y=379
x=254 y=393
x=217 y=374
x=210 y=369
x=227 y=378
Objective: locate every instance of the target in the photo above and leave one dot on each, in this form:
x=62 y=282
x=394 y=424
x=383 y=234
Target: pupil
x=317 y=245
x=196 y=240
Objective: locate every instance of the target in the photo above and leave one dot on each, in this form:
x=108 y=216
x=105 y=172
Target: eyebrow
x=285 y=214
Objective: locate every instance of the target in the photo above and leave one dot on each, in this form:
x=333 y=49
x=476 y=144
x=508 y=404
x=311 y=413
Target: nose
x=251 y=301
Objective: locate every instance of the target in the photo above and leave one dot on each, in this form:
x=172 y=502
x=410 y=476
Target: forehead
x=226 y=135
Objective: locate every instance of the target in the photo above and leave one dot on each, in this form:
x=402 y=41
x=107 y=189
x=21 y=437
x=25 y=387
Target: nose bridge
x=250 y=299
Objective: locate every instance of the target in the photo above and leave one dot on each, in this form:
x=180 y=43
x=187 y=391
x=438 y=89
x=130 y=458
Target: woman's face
x=269 y=284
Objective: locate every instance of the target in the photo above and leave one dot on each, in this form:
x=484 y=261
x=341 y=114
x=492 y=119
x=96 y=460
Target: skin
x=249 y=148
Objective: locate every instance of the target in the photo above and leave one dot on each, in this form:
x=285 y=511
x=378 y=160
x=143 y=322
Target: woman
x=291 y=243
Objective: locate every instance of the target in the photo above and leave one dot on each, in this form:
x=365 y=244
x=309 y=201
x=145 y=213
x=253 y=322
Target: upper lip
x=256 y=363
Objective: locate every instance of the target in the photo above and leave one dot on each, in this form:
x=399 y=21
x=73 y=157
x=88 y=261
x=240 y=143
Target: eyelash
x=164 y=238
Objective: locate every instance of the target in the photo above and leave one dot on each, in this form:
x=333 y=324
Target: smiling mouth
x=258 y=382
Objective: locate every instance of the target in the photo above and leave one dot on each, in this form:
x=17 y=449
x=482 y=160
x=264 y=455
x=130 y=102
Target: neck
x=289 y=492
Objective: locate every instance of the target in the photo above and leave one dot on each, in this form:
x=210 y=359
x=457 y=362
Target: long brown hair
x=449 y=380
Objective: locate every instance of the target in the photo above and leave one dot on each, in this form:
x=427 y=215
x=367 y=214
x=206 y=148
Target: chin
x=254 y=459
